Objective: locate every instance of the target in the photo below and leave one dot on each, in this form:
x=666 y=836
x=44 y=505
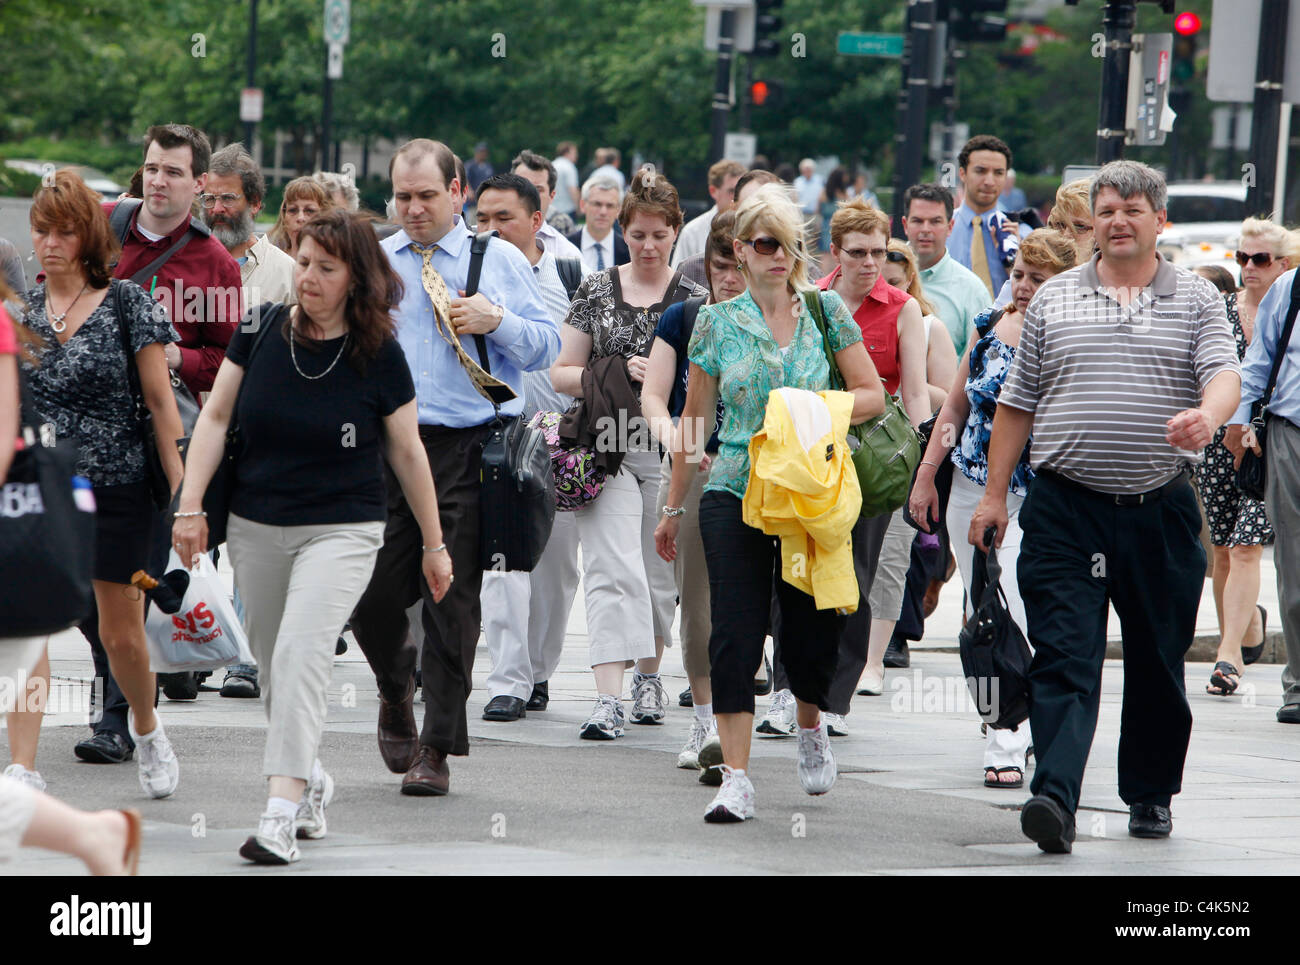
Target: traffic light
x=970 y=23
x=767 y=27
x=1186 y=27
x=766 y=93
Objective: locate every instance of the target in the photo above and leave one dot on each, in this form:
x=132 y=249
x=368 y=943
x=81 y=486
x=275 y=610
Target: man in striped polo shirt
x=1126 y=367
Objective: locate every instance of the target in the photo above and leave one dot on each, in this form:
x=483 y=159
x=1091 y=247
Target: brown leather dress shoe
x=399 y=740
x=430 y=776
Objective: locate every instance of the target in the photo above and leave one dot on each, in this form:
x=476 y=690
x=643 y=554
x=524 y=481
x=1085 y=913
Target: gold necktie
x=488 y=386
x=979 y=263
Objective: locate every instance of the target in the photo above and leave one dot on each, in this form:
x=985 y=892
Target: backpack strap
x=120 y=221
x=690 y=311
x=477 y=250
x=570 y=272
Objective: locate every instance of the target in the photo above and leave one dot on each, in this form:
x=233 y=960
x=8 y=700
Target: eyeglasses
x=857 y=254
x=1262 y=259
x=764 y=246
x=210 y=200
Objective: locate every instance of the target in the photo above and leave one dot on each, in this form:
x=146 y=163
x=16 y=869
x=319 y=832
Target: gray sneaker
x=310 y=820
x=160 y=772
x=606 y=720
x=816 y=768
x=273 y=843
x=779 y=720
x=700 y=732
x=648 y=699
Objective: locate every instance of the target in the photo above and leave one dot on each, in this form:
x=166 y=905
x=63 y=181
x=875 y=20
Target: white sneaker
x=689 y=758
x=273 y=843
x=710 y=760
x=734 y=801
x=648 y=699
x=310 y=820
x=835 y=725
x=606 y=720
x=779 y=720
x=20 y=774
x=816 y=768
x=160 y=772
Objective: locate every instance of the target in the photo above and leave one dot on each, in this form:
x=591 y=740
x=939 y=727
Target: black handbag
x=994 y=655
x=47 y=535
x=216 y=498
x=159 y=488
x=516 y=482
x=1252 y=475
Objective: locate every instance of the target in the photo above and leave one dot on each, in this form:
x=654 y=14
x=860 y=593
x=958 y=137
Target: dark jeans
x=868 y=537
x=743 y=564
x=451 y=628
x=1081 y=552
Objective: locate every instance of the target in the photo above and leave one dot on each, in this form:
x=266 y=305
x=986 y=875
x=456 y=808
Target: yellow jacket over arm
x=803 y=488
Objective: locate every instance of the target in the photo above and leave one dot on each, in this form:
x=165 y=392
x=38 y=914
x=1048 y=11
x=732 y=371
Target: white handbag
x=204 y=634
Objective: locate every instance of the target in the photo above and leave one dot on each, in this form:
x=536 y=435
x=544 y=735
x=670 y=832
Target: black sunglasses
x=764 y=246
x=1262 y=259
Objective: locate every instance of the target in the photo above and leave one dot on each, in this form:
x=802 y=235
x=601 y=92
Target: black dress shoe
x=539 y=698
x=686 y=698
x=1045 y=821
x=179 y=686
x=1149 y=821
x=504 y=708
x=897 y=655
x=104 y=747
x=1288 y=714
x=240 y=685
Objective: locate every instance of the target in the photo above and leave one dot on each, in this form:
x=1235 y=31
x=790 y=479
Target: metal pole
x=745 y=101
x=722 y=84
x=949 y=105
x=1266 y=129
x=325 y=116
x=1118 y=26
x=1283 y=150
x=910 y=141
x=252 y=69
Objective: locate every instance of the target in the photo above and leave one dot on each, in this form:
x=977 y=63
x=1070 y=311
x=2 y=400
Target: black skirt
x=124 y=519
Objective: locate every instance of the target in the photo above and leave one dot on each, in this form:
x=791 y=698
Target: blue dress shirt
x=527 y=339
x=963 y=230
x=1259 y=357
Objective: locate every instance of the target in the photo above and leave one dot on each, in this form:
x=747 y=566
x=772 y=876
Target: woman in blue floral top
x=971 y=404
x=741 y=350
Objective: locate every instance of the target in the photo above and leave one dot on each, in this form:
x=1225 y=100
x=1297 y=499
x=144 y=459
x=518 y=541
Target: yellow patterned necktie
x=488 y=386
x=979 y=262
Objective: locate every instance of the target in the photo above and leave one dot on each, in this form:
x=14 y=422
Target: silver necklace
x=313 y=378
x=56 y=321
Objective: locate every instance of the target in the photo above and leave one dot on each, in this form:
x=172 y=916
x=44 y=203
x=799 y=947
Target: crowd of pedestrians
x=1078 y=393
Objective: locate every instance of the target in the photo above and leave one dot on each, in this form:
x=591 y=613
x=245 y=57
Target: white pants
x=18 y=655
x=629 y=588
x=1002 y=748
x=299 y=584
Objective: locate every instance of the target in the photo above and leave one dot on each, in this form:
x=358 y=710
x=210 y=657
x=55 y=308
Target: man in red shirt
x=199 y=285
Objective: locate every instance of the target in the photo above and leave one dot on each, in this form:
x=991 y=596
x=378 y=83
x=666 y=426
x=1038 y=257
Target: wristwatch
x=499 y=311
x=669 y=511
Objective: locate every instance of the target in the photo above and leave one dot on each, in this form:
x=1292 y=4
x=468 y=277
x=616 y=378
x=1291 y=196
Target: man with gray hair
x=601 y=245
x=1124 y=370
x=341 y=189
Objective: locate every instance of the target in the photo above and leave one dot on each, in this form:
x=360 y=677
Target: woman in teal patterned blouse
x=742 y=349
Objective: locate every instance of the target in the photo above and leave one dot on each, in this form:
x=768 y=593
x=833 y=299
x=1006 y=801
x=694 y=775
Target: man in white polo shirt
x=1125 y=369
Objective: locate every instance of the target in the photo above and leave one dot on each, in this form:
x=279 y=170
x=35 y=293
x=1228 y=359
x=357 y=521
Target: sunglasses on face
x=764 y=246
x=857 y=254
x=1262 y=259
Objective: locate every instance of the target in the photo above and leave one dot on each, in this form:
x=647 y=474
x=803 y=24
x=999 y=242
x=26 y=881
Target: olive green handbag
x=887 y=449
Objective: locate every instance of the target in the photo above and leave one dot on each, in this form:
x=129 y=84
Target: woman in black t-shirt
x=328 y=385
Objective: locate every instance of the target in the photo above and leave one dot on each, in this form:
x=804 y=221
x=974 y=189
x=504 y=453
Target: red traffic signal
x=1187 y=23
x=758 y=93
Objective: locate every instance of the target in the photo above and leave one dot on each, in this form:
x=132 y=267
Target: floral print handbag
x=577 y=478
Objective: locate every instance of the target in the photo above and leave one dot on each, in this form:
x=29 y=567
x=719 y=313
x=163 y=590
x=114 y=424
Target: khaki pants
x=299 y=585
x=691 y=574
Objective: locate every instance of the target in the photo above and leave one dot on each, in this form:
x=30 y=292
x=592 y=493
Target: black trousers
x=1081 y=552
x=744 y=573
x=451 y=628
x=868 y=537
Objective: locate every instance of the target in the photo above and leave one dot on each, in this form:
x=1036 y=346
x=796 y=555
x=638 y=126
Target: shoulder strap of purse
x=120 y=222
x=813 y=299
x=1283 y=340
x=477 y=249
x=124 y=327
x=268 y=324
x=690 y=312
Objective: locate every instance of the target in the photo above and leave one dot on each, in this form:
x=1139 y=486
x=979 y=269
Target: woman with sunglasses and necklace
x=1239 y=526
x=742 y=349
x=894 y=336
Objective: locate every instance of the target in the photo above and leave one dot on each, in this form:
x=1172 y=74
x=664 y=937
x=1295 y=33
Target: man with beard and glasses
x=234 y=196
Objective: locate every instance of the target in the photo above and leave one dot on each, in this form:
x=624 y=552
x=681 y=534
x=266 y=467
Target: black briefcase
x=516 y=497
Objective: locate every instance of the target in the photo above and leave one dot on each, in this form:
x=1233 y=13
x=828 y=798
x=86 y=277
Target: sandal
x=1222 y=678
x=997 y=772
x=1250 y=654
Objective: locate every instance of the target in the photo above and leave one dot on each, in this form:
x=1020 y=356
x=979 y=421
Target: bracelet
x=189 y=515
x=440 y=548
x=932 y=465
x=670 y=512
